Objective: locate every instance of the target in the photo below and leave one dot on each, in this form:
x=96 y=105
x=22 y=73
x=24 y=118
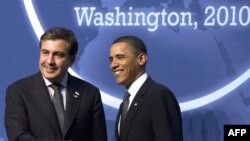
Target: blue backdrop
x=199 y=49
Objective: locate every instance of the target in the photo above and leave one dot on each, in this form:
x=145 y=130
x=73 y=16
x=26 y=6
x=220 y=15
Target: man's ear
x=142 y=58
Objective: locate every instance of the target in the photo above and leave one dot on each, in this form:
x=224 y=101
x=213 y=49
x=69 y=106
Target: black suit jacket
x=30 y=116
x=154 y=115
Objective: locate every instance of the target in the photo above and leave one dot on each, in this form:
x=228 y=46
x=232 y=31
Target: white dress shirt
x=135 y=86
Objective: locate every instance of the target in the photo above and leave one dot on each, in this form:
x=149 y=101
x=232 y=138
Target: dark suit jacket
x=154 y=115
x=30 y=116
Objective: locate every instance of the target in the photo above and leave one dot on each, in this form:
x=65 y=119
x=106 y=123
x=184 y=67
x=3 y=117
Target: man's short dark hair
x=136 y=43
x=63 y=34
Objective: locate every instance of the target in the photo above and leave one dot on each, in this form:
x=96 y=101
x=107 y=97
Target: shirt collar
x=136 y=85
x=63 y=82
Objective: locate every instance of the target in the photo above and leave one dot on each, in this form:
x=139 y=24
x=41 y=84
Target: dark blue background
x=192 y=63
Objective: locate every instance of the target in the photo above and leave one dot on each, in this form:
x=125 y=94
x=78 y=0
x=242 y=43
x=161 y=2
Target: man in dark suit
x=52 y=105
x=153 y=113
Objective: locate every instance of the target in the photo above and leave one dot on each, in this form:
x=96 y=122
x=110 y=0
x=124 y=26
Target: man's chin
x=119 y=82
x=50 y=77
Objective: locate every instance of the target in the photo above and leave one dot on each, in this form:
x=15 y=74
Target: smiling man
x=149 y=111
x=52 y=105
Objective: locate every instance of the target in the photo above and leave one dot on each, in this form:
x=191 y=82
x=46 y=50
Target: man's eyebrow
x=117 y=55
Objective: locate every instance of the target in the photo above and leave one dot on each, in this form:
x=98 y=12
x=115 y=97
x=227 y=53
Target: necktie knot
x=56 y=86
x=126 y=96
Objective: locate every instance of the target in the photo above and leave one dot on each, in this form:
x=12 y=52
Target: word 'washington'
x=89 y=16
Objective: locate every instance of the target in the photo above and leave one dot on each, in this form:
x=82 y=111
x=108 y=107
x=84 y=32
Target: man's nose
x=113 y=64
x=51 y=59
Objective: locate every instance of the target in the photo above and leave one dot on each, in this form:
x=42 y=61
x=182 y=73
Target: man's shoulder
x=159 y=91
x=24 y=80
x=156 y=83
x=159 y=86
x=23 y=83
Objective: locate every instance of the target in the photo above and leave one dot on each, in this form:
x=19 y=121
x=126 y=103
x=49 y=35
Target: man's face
x=55 y=59
x=125 y=64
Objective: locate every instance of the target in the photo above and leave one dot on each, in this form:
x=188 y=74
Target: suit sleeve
x=167 y=122
x=16 y=117
x=99 y=131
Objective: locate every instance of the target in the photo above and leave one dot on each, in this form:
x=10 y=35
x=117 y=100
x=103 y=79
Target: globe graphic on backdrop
x=191 y=62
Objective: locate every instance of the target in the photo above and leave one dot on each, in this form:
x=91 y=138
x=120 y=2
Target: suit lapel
x=72 y=104
x=134 y=107
x=40 y=93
